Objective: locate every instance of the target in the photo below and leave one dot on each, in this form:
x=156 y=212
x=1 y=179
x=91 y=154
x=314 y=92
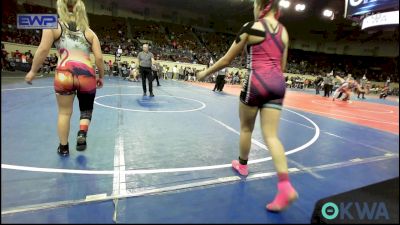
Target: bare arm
x=43 y=50
x=285 y=39
x=98 y=56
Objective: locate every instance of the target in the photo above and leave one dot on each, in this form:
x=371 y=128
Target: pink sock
x=283 y=177
x=286 y=194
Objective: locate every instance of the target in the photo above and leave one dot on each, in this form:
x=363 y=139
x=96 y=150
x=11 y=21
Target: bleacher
x=183 y=44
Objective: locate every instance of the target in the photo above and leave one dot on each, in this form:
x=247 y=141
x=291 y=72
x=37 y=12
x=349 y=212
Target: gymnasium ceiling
x=226 y=8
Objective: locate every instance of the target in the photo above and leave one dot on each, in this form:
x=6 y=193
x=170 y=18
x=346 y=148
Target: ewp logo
x=358 y=2
x=37 y=21
x=356 y=210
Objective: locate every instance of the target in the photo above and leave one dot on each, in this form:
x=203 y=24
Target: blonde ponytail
x=78 y=14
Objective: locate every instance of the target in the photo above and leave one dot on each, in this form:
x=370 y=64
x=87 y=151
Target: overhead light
x=328 y=13
x=300 y=7
x=284 y=4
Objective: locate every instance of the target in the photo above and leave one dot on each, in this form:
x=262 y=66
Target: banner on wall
x=361 y=7
x=381 y=19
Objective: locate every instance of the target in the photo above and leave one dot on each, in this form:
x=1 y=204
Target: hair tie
x=266 y=9
x=277 y=14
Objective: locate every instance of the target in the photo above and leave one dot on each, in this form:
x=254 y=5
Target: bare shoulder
x=89 y=33
x=258 y=26
x=285 y=35
x=55 y=32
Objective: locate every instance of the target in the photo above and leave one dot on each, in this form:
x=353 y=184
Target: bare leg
x=347 y=95
x=65 y=108
x=248 y=117
x=270 y=118
x=269 y=124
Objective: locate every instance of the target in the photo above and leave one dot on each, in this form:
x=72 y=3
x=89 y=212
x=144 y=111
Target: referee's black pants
x=146 y=73
x=222 y=83
x=327 y=89
x=219 y=83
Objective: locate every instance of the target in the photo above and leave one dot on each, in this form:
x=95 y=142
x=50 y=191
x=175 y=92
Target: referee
x=220 y=80
x=328 y=84
x=146 y=60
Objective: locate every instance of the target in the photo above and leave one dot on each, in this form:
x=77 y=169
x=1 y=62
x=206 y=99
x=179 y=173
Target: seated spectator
x=17 y=56
x=53 y=61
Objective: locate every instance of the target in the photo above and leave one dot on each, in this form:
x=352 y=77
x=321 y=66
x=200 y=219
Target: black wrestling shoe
x=151 y=95
x=81 y=140
x=63 y=150
x=144 y=94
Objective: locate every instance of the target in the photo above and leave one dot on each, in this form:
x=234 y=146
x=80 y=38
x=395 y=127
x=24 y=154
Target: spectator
x=53 y=62
x=46 y=66
x=317 y=83
x=17 y=56
x=107 y=69
x=174 y=72
x=4 y=61
x=28 y=54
